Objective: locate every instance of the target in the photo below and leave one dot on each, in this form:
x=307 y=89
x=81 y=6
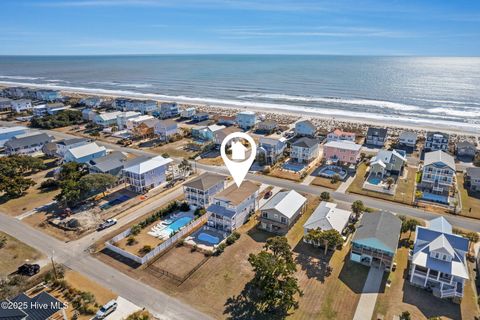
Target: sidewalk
x=366 y=305
x=344 y=186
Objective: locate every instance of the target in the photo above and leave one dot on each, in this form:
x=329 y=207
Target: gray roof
x=473 y=173
x=379 y=230
x=286 y=203
x=26 y=141
x=466 y=144
x=205 y=181
x=109 y=162
x=439 y=156
x=381 y=132
x=409 y=135
x=221 y=211
x=307 y=123
x=305 y=142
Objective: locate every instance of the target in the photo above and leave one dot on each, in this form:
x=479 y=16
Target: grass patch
x=403 y=194
x=325 y=182
x=14 y=254
x=470 y=205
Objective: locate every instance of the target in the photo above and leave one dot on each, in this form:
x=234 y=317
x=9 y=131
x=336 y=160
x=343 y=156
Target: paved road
x=75 y=256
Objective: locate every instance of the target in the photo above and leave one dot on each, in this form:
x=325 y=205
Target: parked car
x=106 y=309
x=28 y=269
x=107 y=224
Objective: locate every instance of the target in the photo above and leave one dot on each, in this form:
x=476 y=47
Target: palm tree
x=389 y=182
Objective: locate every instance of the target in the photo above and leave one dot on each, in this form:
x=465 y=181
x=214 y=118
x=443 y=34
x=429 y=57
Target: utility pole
x=53 y=265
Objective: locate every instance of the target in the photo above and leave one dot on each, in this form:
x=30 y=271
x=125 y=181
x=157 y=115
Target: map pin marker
x=238 y=169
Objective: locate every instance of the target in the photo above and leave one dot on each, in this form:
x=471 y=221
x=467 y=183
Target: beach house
x=267 y=126
x=6 y=133
x=200 y=116
x=200 y=191
x=327 y=217
x=5 y=104
x=246 y=119
x=106 y=119
x=91 y=102
x=142 y=126
x=376 y=137
x=438 y=176
x=232 y=207
x=89 y=114
x=211 y=130
x=472 y=179
x=48 y=95
x=465 y=150
x=375 y=240
x=18 y=92
x=305 y=128
x=63 y=145
x=166 y=129
x=187 y=113
x=340 y=135
x=436 y=141
x=342 y=151
x=84 y=153
x=439 y=260
x=221 y=134
x=168 y=110
x=21 y=105
x=270 y=149
x=226 y=120
x=28 y=144
x=387 y=162
x=38 y=306
x=123 y=117
x=304 y=150
x=145 y=173
x=281 y=211
x=407 y=139
x=111 y=163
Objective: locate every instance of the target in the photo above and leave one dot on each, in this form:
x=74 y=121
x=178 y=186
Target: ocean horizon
x=443 y=90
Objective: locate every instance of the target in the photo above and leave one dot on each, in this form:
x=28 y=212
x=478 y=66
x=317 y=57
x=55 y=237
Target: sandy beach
x=281 y=114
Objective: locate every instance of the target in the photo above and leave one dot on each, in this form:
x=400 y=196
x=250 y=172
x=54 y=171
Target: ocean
x=433 y=90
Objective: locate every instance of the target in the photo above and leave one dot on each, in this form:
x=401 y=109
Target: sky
x=350 y=27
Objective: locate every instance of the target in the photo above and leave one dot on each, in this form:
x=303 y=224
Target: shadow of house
x=430 y=306
x=259 y=235
x=353 y=275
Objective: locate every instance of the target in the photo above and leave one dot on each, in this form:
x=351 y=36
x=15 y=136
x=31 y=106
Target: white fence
x=157 y=250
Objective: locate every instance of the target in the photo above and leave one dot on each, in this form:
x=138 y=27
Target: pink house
x=337 y=135
x=342 y=151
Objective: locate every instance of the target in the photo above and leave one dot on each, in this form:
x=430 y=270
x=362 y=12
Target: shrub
x=220 y=248
x=3 y=241
x=131 y=241
x=50 y=184
x=194 y=248
x=184 y=206
x=136 y=229
x=146 y=249
x=200 y=212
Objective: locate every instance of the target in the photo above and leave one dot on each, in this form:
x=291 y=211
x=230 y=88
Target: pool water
x=179 y=223
x=293 y=167
x=374 y=180
x=435 y=197
x=208 y=238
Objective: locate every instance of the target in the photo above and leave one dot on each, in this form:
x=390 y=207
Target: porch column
x=426 y=278
x=413 y=271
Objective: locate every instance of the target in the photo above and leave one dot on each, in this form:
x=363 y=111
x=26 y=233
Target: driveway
x=370 y=291
x=124 y=309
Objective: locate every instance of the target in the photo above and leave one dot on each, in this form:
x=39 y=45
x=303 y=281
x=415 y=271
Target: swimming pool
x=114 y=202
x=435 y=198
x=374 y=180
x=329 y=171
x=177 y=224
x=208 y=238
x=295 y=167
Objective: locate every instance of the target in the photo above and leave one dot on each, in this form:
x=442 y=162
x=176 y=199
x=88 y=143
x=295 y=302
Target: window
x=283 y=219
x=264 y=214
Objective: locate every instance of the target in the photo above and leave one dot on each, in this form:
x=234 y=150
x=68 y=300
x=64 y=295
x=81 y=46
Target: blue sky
x=356 y=27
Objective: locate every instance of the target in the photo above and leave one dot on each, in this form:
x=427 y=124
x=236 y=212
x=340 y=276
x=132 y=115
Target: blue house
x=439 y=260
x=10 y=132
